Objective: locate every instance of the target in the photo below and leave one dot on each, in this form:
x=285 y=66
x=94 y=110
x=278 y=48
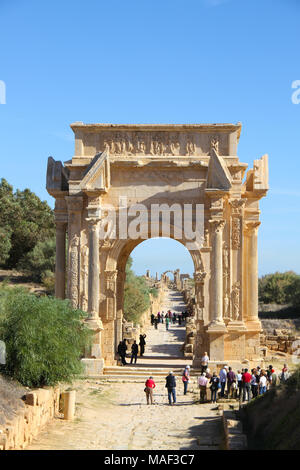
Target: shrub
x=44 y=339
x=40 y=261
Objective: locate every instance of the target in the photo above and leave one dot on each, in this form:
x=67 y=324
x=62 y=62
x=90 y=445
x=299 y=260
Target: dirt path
x=114 y=415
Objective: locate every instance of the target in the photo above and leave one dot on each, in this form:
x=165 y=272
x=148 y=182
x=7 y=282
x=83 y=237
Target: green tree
x=25 y=219
x=44 y=338
x=40 y=261
x=276 y=288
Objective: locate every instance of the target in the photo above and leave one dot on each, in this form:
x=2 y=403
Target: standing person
x=158 y=317
x=274 y=379
x=262 y=383
x=142 y=344
x=284 y=373
x=214 y=381
x=223 y=378
x=254 y=383
x=167 y=323
x=122 y=348
x=202 y=383
x=149 y=387
x=152 y=318
x=171 y=386
x=174 y=318
x=134 y=352
x=179 y=319
x=204 y=362
x=155 y=322
x=162 y=317
x=231 y=379
x=186 y=379
x=246 y=379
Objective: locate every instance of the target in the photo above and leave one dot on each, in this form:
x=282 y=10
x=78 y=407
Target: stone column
x=252 y=271
x=93 y=269
x=60 y=263
x=74 y=204
x=217 y=272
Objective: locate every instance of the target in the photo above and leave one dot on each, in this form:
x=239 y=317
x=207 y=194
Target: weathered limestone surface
x=41 y=405
x=162 y=164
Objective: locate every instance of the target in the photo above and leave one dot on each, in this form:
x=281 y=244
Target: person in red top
x=150 y=385
x=246 y=379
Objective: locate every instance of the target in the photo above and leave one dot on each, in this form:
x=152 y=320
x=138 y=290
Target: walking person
x=202 y=383
x=171 y=386
x=134 y=352
x=155 y=323
x=186 y=379
x=152 y=318
x=214 y=381
x=142 y=344
x=167 y=323
x=284 y=374
x=149 y=387
x=239 y=383
x=223 y=378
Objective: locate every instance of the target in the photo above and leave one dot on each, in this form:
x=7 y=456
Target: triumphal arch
x=147 y=166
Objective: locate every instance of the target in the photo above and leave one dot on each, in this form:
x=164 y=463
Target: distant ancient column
x=93 y=280
x=217 y=270
x=252 y=278
x=60 y=263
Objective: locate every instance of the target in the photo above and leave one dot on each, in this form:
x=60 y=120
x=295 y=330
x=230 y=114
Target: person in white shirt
x=204 y=362
x=262 y=383
x=202 y=382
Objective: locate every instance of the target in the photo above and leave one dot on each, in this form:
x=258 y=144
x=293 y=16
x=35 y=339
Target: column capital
x=93 y=223
x=217 y=224
x=199 y=277
x=251 y=226
x=74 y=203
x=237 y=206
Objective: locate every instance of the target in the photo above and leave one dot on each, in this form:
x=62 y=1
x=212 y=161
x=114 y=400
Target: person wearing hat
x=186 y=379
x=202 y=383
x=171 y=386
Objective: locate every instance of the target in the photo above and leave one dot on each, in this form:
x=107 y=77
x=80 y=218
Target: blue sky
x=157 y=61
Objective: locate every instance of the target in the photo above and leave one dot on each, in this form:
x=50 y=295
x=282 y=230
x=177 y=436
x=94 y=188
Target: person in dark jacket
x=122 y=351
x=171 y=386
x=142 y=344
x=214 y=381
x=134 y=352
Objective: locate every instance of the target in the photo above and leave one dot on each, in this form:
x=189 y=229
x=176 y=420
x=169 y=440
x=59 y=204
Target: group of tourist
x=168 y=318
x=122 y=350
x=242 y=385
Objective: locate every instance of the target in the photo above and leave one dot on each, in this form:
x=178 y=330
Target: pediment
x=218 y=175
x=97 y=174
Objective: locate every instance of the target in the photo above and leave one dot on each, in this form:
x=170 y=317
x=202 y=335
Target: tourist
x=254 y=383
x=167 y=323
x=284 y=373
x=122 y=348
x=186 y=379
x=171 y=386
x=174 y=318
x=152 y=318
x=179 y=320
x=239 y=383
x=263 y=383
x=208 y=374
x=134 y=352
x=223 y=378
x=231 y=379
x=142 y=344
x=214 y=381
x=155 y=323
x=202 y=383
x=158 y=317
x=274 y=379
x=204 y=362
x=162 y=317
x=149 y=387
x=246 y=379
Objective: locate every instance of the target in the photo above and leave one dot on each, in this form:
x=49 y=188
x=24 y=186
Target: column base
x=216 y=327
x=236 y=326
x=93 y=367
x=253 y=325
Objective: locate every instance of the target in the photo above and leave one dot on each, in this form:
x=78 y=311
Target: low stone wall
x=40 y=406
x=280 y=340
